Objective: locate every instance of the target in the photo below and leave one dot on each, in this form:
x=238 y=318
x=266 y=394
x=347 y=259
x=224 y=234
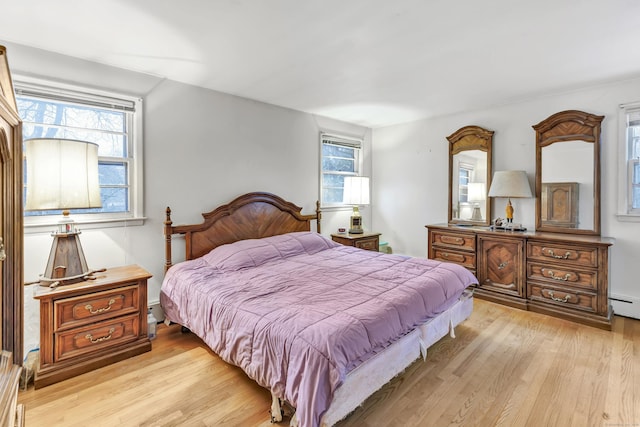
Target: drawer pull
x=454 y=257
x=552 y=275
x=90 y=309
x=565 y=299
x=452 y=240
x=100 y=339
x=502 y=265
x=550 y=253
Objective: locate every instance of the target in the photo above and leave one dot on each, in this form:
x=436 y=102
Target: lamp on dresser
x=356 y=193
x=510 y=184
x=62 y=174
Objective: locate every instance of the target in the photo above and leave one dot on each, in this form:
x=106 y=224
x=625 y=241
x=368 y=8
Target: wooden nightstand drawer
x=77 y=342
x=368 y=244
x=84 y=309
x=576 y=255
x=367 y=241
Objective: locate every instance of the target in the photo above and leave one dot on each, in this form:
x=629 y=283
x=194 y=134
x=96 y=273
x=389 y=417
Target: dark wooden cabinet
x=368 y=241
x=91 y=324
x=501 y=265
x=563 y=275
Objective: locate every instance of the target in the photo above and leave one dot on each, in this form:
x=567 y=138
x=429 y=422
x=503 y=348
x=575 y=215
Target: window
x=464 y=178
x=629 y=191
x=341 y=156
x=111 y=121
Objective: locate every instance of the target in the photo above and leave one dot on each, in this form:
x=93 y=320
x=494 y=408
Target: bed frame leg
x=294 y=421
x=452 y=330
x=276 y=409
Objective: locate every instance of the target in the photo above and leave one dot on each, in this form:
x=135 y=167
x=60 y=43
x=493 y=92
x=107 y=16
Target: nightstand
x=87 y=325
x=368 y=241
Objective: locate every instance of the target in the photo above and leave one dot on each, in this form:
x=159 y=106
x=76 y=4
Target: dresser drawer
x=460 y=241
x=367 y=244
x=95 y=337
x=576 y=255
x=85 y=309
x=465 y=259
x=563 y=296
x=562 y=275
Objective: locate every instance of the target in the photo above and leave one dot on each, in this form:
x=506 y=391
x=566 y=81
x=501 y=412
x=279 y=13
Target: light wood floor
x=506 y=367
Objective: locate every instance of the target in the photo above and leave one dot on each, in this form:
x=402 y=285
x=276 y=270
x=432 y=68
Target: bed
x=321 y=325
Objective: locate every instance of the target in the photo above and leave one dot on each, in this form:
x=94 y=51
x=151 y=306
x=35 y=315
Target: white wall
x=201 y=149
x=410 y=173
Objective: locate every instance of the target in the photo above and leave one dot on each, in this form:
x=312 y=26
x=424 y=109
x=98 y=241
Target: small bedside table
x=87 y=325
x=368 y=241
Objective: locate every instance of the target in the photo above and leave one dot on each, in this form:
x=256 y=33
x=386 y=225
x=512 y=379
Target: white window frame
x=625 y=166
x=134 y=159
x=347 y=141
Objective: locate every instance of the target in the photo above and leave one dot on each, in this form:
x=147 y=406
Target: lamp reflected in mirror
x=477 y=195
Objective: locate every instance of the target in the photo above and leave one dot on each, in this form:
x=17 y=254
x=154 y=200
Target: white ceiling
x=371 y=62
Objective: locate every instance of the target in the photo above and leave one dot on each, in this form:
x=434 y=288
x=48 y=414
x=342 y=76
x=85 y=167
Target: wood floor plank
x=506 y=367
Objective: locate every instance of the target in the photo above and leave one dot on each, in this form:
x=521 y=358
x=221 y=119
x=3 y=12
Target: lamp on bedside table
x=356 y=193
x=510 y=184
x=62 y=174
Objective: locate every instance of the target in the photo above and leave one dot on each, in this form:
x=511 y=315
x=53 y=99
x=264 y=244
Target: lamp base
x=355 y=222
x=66 y=264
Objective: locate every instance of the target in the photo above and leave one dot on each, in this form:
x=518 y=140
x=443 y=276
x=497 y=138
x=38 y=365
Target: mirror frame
x=569 y=125
x=465 y=139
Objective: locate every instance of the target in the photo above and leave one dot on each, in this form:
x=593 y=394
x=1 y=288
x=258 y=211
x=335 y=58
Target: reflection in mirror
x=469 y=176
x=469 y=185
x=568 y=173
x=567 y=185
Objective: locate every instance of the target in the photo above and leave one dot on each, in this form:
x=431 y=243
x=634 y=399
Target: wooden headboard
x=250 y=216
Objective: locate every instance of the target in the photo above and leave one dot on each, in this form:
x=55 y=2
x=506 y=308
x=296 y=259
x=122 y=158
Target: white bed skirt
x=369 y=377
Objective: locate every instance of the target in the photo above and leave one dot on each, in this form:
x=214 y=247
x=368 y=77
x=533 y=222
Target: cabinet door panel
x=500 y=265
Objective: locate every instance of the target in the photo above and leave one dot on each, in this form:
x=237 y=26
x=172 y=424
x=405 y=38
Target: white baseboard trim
x=625 y=305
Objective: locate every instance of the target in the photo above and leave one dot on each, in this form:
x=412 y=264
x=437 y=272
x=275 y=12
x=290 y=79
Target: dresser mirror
x=470 y=176
x=568 y=173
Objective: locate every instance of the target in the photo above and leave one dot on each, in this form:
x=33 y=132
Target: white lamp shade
x=356 y=190
x=510 y=184
x=477 y=192
x=62 y=174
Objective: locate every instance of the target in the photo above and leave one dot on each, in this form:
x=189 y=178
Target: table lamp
x=356 y=193
x=510 y=184
x=62 y=174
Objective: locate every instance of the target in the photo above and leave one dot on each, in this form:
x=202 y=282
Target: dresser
x=87 y=325
x=563 y=275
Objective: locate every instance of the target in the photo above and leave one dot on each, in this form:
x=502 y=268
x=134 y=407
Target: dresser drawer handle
x=90 y=309
x=552 y=275
x=565 y=299
x=502 y=265
x=550 y=253
x=100 y=339
x=455 y=257
x=452 y=240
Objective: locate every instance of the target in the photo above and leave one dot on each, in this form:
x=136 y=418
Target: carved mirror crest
x=470 y=176
x=568 y=173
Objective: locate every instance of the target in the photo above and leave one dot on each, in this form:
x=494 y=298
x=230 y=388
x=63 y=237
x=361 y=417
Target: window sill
x=628 y=217
x=48 y=226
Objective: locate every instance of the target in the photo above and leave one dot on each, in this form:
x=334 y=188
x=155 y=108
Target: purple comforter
x=297 y=312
